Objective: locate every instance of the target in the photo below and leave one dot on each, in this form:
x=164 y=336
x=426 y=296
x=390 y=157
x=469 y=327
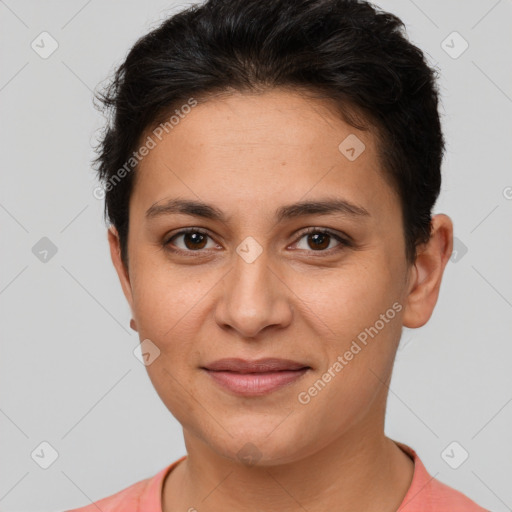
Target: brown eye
x=194 y=240
x=320 y=241
x=191 y=240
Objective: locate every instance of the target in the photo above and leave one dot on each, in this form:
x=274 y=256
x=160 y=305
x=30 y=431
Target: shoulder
x=444 y=497
x=427 y=494
x=135 y=498
x=126 y=500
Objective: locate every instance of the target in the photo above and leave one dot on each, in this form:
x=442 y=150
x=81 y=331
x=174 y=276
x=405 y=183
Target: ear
x=122 y=271
x=427 y=272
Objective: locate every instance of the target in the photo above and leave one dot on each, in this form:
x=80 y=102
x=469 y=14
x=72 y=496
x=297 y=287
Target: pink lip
x=253 y=378
x=254 y=384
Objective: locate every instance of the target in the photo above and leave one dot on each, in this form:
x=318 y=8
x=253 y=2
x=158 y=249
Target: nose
x=253 y=298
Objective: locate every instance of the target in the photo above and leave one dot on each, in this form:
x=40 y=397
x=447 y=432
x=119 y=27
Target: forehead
x=262 y=149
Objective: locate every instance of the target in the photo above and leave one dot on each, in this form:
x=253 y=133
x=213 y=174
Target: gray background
x=68 y=373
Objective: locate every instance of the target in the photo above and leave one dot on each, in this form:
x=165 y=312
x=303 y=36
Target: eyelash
x=343 y=242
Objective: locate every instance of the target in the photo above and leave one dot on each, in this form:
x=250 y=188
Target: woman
x=269 y=176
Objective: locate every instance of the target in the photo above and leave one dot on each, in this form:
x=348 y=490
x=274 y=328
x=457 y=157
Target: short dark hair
x=347 y=51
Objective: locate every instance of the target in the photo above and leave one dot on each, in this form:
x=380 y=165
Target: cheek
x=167 y=299
x=167 y=306
x=354 y=376
x=357 y=317
x=343 y=302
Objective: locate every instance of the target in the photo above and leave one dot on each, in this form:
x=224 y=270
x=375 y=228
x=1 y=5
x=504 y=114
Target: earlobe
x=427 y=273
x=122 y=271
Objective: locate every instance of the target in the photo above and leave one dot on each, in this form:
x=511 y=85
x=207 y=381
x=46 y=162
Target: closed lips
x=266 y=365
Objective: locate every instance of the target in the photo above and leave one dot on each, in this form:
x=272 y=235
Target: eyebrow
x=318 y=207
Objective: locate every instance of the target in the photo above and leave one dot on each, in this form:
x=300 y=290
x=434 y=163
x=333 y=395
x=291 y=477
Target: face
x=257 y=273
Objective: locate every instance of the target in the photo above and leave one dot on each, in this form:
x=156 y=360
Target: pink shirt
x=425 y=494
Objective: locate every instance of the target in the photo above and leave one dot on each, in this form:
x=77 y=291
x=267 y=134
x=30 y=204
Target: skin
x=248 y=155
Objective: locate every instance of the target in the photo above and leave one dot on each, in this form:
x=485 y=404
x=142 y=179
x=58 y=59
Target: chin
x=259 y=443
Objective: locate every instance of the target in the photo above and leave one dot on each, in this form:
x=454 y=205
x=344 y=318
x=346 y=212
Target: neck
x=360 y=470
